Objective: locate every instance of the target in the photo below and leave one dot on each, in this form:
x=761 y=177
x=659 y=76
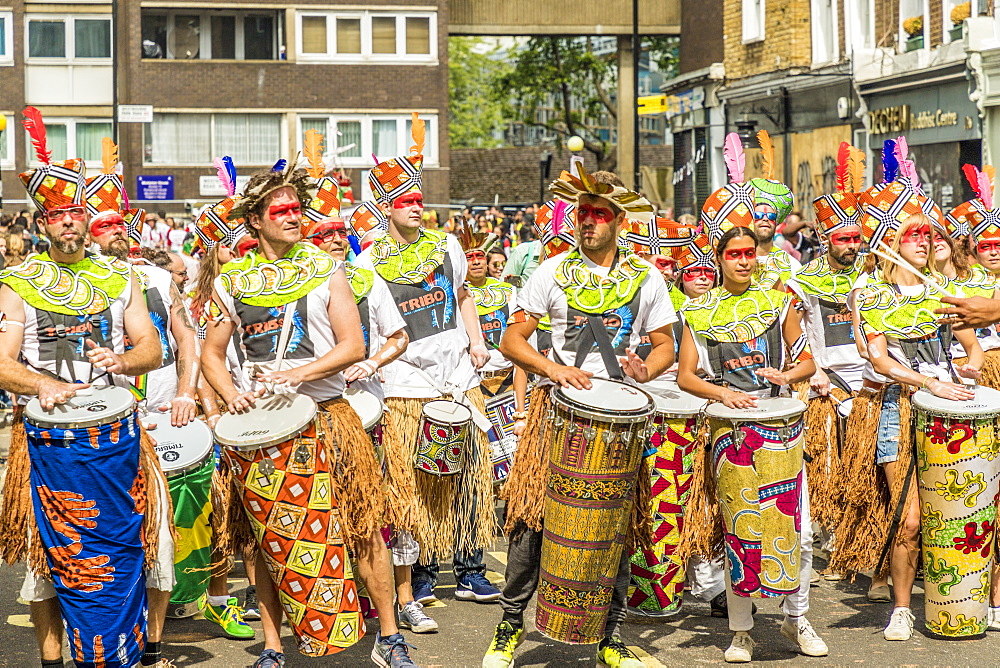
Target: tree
x=567 y=76
x=474 y=114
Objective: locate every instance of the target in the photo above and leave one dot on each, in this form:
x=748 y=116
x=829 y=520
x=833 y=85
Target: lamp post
x=544 y=167
x=3 y=126
x=575 y=145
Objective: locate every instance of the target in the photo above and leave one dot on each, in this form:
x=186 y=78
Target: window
x=825 y=43
x=354 y=138
x=85 y=37
x=367 y=36
x=753 y=21
x=211 y=35
x=196 y=139
x=72 y=138
x=7 y=144
x=6 y=38
x=914 y=25
x=859 y=18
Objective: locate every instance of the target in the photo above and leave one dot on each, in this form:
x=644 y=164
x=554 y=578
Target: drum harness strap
x=63 y=357
x=596 y=332
x=286 y=327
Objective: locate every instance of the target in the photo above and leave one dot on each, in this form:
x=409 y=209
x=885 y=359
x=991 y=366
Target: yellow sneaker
x=501 y=652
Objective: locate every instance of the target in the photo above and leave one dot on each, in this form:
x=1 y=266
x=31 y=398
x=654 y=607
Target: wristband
x=519 y=415
x=184 y=398
x=926 y=384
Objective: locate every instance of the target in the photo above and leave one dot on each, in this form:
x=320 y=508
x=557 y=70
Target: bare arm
x=689 y=380
x=218 y=334
x=660 y=357
x=470 y=318
x=393 y=347
x=801 y=369
x=183 y=410
x=146 y=354
x=885 y=365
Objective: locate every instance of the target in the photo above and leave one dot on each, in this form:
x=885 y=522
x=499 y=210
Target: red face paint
x=917 y=235
x=988 y=247
x=471 y=256
x=665 y=263
x=134 y=251
x=740 y=253
x=107 y=225
x=276 y=211
x=841 y=239
x=695 y=273
x=328 y=231
x=600 y=214
x=245 y=245
x=408 y=200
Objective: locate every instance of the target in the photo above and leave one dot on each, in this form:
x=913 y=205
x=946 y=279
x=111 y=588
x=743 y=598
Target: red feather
x=35 y=126
x=972 y=176
x=843 y=173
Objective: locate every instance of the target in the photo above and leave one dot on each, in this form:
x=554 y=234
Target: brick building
x=225 y=78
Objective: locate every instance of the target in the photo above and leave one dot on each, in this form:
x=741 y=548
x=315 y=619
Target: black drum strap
x=897 y=515
x=595 y=332
x=837 y=380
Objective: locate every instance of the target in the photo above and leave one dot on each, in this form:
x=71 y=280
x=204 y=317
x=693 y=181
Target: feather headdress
x=766 y=154
x=735 y=158
x=312 y=148
x=393 y=178
x=109 y=156
x=226 y=171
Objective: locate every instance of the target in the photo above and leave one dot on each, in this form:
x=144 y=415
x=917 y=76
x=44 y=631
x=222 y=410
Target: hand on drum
x=360 y=371
x=570 y=376
x=734 y=399
x=773 y=375
x=968 y=371
x=519 y=428
x=952 y=391
x=213 y=420
x=289 y=378
x=634 y=367
x=105 y=358
x=480 y=356
x=182 y=409
x=245 y=400
x=52 y=392
x=820 y=383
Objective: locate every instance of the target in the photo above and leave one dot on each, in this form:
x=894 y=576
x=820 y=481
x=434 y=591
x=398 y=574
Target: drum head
x=772 y=408
x=445 y=411
x=274 y=419
x=89 y=408
x=366 y=405
x=986 y=403
x=607 y=396
x=179 y=449
x=672 y=400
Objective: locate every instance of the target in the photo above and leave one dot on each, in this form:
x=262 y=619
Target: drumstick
x=887 y=253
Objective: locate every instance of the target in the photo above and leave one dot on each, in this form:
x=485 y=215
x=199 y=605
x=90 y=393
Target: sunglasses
x=844 y=239
x=698 y=272
x=600 y=214
x=740 y=254
x=74 y=212
x=760 y=215
x=327 y=234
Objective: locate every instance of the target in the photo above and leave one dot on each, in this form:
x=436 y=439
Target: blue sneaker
x=392 y=652
x=423 y=592
x=475 y=587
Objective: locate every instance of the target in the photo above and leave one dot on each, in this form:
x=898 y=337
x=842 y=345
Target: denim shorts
x=887 y=447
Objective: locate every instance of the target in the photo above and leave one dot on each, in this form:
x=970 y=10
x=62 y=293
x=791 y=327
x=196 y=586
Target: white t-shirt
x=174 y=239
x=649 y=310
x=831 y=337
x=310 y=338
x=497 y=361
x=381 y=319
x=161 y=383
x=436 y=358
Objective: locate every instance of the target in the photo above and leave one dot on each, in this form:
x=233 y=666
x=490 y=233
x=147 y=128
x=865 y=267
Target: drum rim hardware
x=276 y=438
x=34 y=414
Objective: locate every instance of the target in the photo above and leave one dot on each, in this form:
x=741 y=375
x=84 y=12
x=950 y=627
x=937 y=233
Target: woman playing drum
x=737 y=338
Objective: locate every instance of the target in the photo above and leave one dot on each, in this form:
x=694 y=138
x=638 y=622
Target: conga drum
x=594 y=455
x=283 y=473
x=187 y=459
x=958 y=468
x=757 y=456
x=657 y=583
x=444 y=426
x=500 y=410
x=86 y=487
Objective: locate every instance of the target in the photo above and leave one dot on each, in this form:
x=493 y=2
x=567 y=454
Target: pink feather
x=735 y=158
x=126 y=205
x=986 y=190
x=558 y=211
x=902 y=150
x=223 y=174
x=907 y=167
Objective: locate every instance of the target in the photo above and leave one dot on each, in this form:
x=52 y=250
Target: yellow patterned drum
x=596 y=440
x=958 y=470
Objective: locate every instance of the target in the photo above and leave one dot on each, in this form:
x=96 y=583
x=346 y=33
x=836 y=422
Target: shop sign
x=685 y=101
x=926 y=115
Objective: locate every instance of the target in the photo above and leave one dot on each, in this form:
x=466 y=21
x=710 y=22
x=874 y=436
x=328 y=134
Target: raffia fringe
x=524 y=490
x=703 y=528
x=400 y=485
x=232 y=532
x=640 y=535
x=157 y=497
x=19 y=537
x=476 y=509
x=355 y=473
x=990 y=370
x=822 y=444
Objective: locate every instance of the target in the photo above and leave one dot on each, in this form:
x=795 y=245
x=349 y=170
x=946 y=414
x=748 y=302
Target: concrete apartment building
x=224 y=78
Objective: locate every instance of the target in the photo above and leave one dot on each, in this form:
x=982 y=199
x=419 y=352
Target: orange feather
x=312 y=147
x=766 y=154
x=109 y=156
x=856 y=170
x=419 y=134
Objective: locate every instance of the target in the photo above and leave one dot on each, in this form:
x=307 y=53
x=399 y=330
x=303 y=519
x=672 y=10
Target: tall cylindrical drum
x=594 y=458
x=958 y=469
x=757 y=456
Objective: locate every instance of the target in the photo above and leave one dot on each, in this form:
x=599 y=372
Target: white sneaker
x=803 y=635
x=413 y=617
x=993 y=619
x=900 y=625
x=741 y=649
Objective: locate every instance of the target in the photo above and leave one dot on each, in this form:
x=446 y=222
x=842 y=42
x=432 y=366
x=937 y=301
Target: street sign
x=652 y=104
x=155 y=187
x=135 y=113
x=209 y=186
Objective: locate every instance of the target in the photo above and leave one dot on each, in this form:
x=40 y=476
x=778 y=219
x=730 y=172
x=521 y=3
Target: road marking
x=647 y=660
x=499 y=556
x=20 y=620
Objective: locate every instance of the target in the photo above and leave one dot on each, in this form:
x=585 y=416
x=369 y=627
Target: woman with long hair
x=721 y=327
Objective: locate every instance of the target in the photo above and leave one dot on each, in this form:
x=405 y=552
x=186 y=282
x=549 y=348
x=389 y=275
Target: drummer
x=384 y=327
x=327 y=339
x=426 y=271
x=906 y=349
x=631 y=297
x=105 y=308
x=722 y=327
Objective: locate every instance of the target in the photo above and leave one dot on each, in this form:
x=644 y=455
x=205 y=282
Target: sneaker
x=269 y=659
x=803 y=635
x=251 y=609
x=900 y=625
x=506 y=638
x=993 y=619
x=741 y=649
x=413 y=617
x=475 y=587
x=229 y=617
x=613 y=652
x=423 y=592
x=391 y=652
x=720 y=606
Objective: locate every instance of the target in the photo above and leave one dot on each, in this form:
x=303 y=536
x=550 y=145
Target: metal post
x=636 y=54
x=114 y=71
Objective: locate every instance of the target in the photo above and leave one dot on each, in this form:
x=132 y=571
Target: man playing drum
x=304 y=512
x=92 y=522
x=593 y=281
x=426 y=271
